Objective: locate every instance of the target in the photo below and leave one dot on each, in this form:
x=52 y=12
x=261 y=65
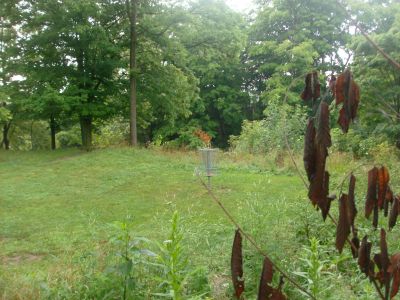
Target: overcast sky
x=240 y=5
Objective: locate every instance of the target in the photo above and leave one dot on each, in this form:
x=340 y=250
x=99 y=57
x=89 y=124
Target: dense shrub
x=362 y=145
x=113 y=132
x=269 y=134
x=69 y=138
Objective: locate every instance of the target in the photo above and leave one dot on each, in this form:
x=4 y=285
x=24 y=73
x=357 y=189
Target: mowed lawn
x=56 y=206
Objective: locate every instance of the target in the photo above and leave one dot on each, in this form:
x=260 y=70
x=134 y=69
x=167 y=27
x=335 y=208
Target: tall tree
x=8 y=67
x=379 y=80
x=75 y=42
x=161 y=87
x=214 y=37
x=289 y=38
x=131 y=6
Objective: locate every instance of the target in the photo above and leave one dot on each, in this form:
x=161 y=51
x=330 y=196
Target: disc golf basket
x=209 y=163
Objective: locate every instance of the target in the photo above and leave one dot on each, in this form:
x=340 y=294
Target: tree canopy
x=190 y=65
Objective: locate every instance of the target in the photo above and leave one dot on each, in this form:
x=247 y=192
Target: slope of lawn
x=56 y=207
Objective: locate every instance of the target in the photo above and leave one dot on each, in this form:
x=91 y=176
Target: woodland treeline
x=97 y=72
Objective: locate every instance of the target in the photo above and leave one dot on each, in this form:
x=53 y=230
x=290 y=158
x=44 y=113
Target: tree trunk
x=6 y=141
x=132 y=14
x=86 y=133
x=53 y=132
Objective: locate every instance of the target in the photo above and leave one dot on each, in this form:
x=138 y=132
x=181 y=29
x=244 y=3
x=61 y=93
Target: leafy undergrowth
x=56 y=240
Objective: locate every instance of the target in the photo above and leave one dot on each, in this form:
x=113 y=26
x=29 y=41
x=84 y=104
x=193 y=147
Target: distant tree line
x=169 y=68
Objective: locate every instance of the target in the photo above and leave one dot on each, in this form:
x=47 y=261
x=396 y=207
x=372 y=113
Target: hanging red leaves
x=343 y=227
x=310 y=151
x=383 y=181
x=394 y=212
x=312 y=90
x=265 y=290
x=237 y=265
x=384 y=262
x=394 y=270
x=323 y=136
x=317 y=142
x=348 y=93
x=379 y=194
x=352 y=209
x=355 y=245
x=388 y=199
x=364 y=256
x=371 y=200
x=347 y=215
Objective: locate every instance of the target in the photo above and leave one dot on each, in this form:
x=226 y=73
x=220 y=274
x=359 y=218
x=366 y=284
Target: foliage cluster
x=200 y=66
x=264 y=136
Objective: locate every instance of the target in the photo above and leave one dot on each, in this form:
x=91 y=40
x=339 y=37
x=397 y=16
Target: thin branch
x=341 y=184
x=367 y=37
x=306 y=185
x=289 y=149
x=251 y=240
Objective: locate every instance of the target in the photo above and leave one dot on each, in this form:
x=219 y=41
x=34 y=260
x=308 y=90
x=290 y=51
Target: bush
x=269 y=134
x=69 y=138
x=360 y=145
x=114 y=132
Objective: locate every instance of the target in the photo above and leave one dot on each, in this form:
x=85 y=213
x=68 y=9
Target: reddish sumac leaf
x=323 y=136
x=356 y=242
x=380 y=276
x=343 y=227
x=384 y=251
x=343 y=120
x=309 y=157
x=342 y=86
x=394 y=270
x=395 y=284
x=383 y=181
x=371 y=198
x=312 y=88
x=265 y=289
x=378 y=261
x=237 y=264
x=319 y=193
x=394 y=212
x=354 y=99
x=324 y=203
x=388 y=199
x=364 y=254
x=348 y=93
x=385 y=262
x=352 y=212
x=317 y=189
x=319 y=183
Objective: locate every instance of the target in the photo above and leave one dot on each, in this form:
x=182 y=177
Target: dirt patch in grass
x=219 y=286
x=18 y=259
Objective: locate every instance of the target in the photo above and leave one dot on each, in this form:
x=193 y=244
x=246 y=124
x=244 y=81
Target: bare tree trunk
x=53 y=133
x=86 y=132
x=6 y=141
x=132 y=14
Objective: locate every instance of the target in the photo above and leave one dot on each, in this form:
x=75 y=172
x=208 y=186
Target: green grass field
x=56 y=207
